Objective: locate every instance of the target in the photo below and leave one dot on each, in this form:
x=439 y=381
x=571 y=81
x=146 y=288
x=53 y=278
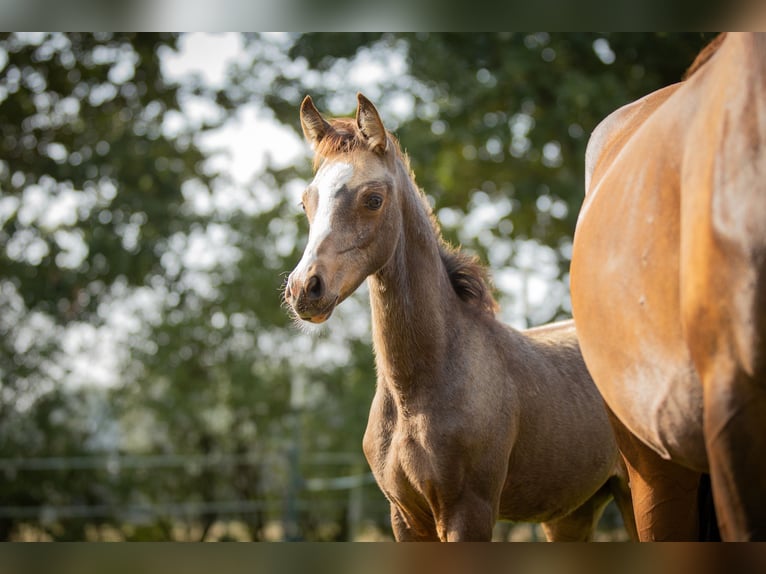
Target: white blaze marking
x=328 y=180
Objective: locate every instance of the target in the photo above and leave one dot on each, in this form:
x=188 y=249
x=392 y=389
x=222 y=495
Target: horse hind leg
x=735 y=411
x=664 y=494
x=579 y=525
x=619 y=485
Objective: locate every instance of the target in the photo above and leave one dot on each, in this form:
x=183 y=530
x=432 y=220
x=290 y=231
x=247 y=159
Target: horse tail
x=708 y=522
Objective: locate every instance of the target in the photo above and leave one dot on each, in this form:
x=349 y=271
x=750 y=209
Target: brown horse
x=471 y=421
x=668 y=284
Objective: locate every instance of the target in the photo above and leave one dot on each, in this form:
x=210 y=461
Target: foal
x=471 y=421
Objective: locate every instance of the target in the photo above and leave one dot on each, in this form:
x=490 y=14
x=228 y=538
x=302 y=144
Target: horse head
x=352 y=209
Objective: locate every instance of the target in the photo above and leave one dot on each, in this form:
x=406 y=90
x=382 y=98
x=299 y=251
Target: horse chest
x=403 y=459
x=401 y=454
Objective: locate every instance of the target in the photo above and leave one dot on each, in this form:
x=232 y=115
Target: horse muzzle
x=309 y=298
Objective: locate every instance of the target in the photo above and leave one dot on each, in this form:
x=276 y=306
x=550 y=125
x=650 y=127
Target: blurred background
x=152 y=385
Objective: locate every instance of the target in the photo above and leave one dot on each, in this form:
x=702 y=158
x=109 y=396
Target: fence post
x=292 y=530
x=355 y=505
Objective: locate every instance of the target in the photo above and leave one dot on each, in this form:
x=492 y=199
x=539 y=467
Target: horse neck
x=410 y=294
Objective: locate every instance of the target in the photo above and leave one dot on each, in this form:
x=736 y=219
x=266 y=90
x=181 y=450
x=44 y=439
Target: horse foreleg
x=409 y=531
x=457 y=518
x=471 y=518
x=664 y=494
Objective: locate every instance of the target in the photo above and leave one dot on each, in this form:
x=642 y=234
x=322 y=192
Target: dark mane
x=469 y=278
x=705 y=54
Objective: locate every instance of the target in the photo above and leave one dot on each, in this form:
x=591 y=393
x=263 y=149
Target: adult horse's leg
x=735 y=411
x=664 y=494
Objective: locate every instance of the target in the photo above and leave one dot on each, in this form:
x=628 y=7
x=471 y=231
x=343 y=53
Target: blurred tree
x=83 y=131
x=91 y=180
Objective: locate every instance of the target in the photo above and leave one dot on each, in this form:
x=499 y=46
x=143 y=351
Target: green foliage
x=82 y=121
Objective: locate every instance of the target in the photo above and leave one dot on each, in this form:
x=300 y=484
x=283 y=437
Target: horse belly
x=542 y=488
x=625 y=300
x=562 y=454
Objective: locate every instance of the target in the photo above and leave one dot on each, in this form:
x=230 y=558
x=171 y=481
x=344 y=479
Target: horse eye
x=303 y=206
x=374 y=202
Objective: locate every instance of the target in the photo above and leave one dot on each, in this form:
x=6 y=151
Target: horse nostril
x=314 y=287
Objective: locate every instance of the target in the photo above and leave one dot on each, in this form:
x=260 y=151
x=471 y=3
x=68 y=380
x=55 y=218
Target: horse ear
x=370 y=124
x=314 y=126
